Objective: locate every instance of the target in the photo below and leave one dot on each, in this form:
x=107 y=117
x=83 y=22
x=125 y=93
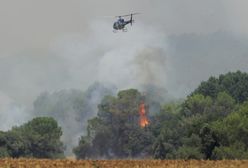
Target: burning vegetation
x=143 y=120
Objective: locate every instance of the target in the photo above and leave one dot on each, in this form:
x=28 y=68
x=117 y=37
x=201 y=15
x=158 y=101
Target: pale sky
x=50 y=45
x=56 y=44
x=28 y=24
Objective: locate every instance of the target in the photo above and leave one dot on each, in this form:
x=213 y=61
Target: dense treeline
x=71 y=109
x=212 y=123
x=115 y=131
x=38 y=138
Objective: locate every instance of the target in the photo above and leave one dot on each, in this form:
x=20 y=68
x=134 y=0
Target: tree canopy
x=209 y=124
x=39 y=138
x=233 y=83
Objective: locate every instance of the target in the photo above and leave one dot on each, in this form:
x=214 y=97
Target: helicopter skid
x=116 y=31
x=124 y=30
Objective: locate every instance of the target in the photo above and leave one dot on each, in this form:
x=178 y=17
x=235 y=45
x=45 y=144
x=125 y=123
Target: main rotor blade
x=128 y=15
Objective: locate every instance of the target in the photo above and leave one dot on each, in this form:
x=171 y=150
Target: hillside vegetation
x=210 y=123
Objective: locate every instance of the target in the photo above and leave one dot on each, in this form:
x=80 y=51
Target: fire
x=143 y=121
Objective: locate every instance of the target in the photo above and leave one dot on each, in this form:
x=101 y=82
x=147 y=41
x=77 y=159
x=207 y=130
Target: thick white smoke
x=11 y=113
x=125 y=60
x=81 y=52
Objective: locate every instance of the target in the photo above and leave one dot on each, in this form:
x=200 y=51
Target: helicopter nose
x=115 y=26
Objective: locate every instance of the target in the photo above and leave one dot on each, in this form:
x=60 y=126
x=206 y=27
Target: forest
x=210 y=123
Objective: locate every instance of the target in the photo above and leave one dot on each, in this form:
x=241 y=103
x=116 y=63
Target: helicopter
x=121 y=23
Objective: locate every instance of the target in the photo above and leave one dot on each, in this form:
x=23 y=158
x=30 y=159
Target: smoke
x=194 y=58
x=124 y=59
x=173 y=46
x=11 y=114
x=72 y=109
x=62 y=48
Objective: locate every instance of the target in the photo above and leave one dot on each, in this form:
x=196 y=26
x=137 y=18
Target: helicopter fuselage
x=119 y=25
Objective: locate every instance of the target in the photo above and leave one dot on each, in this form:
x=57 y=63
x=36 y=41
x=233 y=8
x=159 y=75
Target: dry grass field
x=43 y=163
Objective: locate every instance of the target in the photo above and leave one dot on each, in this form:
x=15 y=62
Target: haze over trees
x=115 y=132
x=71 y=108
x=211 y=123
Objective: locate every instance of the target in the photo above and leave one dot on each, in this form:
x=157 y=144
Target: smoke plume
x=170 y=49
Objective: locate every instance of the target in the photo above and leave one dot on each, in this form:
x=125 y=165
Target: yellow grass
x=67 y=163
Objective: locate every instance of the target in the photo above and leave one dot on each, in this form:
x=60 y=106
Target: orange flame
x=143 y=121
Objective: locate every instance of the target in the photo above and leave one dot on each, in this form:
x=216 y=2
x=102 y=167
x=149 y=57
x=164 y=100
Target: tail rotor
x=131 y=20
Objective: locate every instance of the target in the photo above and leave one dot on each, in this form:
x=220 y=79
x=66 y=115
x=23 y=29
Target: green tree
x=159 y=150
x=208 y=141
x=115 y=132
x=83 y=150
x=235 y=151
x=39 y=138
x=232 y=135
x=166 y=127
x=233 y=83
x=43 y=134
x=197 y=104
x=187 y=152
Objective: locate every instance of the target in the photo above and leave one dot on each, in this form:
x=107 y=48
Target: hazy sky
x=33 y=24
x=48 y=45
